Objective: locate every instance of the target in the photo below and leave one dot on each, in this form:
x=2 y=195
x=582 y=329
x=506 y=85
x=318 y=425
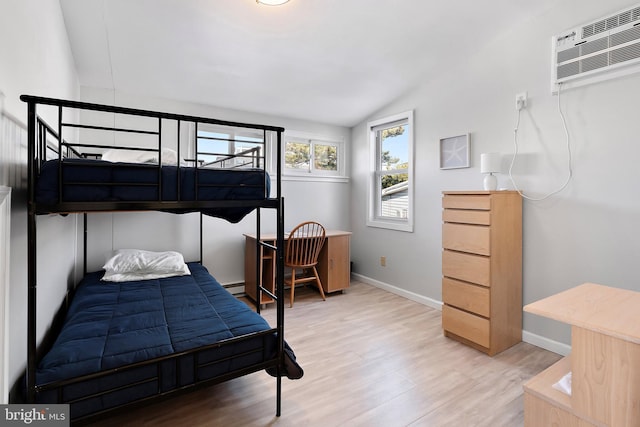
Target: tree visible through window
x=325 y=157
x=297 y=155
x=310 y=156
x=391 y=189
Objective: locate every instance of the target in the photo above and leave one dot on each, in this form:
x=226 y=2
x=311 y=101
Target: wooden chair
x=301 y=255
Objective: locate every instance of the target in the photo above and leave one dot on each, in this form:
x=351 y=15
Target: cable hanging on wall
x=569 y=160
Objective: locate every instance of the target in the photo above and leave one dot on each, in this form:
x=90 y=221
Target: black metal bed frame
x=39 y=134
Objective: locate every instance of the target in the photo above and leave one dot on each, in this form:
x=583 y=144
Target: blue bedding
x=115 y=324
x=86 y=180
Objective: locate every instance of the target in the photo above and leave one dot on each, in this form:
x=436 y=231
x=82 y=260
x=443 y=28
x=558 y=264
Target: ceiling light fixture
x=272 y=2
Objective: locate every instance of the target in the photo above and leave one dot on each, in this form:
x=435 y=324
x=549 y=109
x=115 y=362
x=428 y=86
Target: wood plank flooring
x=371 y=358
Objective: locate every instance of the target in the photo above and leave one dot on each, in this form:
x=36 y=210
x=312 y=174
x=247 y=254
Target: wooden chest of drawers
x=482 y=268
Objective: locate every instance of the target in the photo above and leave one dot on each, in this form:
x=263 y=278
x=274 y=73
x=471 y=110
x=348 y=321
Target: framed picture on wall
x=454 y=152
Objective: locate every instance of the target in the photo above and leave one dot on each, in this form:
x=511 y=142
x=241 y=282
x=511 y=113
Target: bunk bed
x=122 y=343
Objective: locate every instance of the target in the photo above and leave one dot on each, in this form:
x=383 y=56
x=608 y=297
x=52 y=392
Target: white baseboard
x=546 y=343
x=528 y=337
x=399 y=291
x=234 y=288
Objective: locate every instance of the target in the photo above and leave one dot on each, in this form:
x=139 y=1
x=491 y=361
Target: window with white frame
x=391 y=171
x=313 y=157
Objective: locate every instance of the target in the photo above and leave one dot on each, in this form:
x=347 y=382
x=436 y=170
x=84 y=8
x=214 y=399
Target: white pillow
x=169 y=156
x=136 y=264
x=134 y=277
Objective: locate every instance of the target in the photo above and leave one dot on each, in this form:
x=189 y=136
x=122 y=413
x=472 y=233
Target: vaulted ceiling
x=332 y=61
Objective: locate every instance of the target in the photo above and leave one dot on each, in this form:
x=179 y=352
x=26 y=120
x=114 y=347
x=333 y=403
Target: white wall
x=35 y=58
x=327 y=202
x=588 y=232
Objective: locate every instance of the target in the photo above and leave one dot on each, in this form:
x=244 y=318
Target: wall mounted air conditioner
x=600 y=50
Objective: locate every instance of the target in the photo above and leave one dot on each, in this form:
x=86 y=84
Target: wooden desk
x=604 y=360
x=333 y=264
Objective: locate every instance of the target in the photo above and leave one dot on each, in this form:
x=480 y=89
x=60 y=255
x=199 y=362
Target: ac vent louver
x=611 y=22
x=603 y=49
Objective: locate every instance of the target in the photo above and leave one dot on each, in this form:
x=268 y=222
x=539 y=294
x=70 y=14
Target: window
x=391 y=185
x=230 y=148
x=312 y=157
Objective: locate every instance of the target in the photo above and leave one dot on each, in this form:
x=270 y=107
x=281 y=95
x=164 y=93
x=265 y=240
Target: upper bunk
x=96 y=158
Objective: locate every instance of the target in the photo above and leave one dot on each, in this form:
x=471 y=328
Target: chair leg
x=318 y=283
x=293 y=286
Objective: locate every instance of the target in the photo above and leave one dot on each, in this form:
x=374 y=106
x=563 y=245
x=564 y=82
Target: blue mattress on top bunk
x=86 y=180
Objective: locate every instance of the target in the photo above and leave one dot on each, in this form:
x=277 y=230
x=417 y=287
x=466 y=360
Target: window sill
x=391 y=225
x=316 y=178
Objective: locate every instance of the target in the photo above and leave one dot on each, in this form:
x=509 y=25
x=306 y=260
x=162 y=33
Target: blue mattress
x=85 y=180
x=111 y=325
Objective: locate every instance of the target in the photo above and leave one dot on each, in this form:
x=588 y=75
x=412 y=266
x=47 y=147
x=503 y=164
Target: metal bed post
x=84 y=250
x=258 y=264
x=178 y=195
x=160 y=159
x=201 y=244
x=60 y=195
x=31 y=256
x=195 y=185
x=279 y=274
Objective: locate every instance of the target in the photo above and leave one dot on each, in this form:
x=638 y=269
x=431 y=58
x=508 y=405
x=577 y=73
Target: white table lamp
x=490 y=164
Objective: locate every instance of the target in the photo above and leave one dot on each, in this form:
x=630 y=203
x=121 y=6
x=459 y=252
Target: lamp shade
x=490 y=162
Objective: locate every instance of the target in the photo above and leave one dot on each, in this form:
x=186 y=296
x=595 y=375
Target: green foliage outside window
x=389 y=180
x=297 y=155
x=391 y=163
x=325 y=157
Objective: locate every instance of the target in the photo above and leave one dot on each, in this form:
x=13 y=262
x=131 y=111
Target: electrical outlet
x=383 y=261
x=521 y=101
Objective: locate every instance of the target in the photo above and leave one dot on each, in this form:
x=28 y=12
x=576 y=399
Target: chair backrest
x=304 y=244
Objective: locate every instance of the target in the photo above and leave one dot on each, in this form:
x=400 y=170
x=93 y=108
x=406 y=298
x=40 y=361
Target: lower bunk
x=126 y=342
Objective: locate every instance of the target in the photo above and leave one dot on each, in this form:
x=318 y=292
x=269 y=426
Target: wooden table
x=604 y=360
x=333 y=264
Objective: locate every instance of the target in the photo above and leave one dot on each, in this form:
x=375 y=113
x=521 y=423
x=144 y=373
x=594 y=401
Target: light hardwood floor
x=371 y=358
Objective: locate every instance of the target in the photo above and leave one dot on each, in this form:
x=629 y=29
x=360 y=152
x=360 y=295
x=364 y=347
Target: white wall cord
x=569 y=161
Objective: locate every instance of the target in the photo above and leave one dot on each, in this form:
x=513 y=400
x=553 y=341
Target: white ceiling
x=332 y=61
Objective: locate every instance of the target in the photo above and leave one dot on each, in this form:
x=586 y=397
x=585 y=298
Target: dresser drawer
x=467 y=267
x=466 y=296
x=467 y=238
x=467 y=201
x=466 y=325
x=466 y=216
